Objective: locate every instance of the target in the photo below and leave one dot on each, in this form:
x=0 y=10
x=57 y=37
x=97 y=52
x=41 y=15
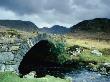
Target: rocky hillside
x=56 y=29
x=95 y=25
x=18 y=24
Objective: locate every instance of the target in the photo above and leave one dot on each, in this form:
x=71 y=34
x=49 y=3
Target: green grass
x=11 y=77
x=103 y=46
x=87 y=56
x=88 y=42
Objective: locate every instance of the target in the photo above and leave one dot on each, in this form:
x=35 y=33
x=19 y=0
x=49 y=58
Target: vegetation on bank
x=63 y=43
x=12 y=77
x=87 y=46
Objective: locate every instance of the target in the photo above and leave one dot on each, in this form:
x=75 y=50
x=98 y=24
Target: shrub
x=106 y=51
x=60 y=50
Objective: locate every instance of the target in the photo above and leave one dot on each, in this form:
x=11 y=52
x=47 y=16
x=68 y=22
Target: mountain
x=18 y=24
x=94 y=25
x=56 y=29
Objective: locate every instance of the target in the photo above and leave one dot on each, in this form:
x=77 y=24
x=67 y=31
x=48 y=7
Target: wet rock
x=106 y=65
x=92 y=67
x=103 y=71
x=105 y=68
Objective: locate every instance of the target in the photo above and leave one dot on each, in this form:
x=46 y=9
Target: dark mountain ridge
x=56 y=29
x=18 y=24
x=94 y=25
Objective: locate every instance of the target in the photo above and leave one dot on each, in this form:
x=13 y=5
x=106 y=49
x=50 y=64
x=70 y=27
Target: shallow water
x=87 y=76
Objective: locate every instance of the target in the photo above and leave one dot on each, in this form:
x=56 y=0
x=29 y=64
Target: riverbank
x=90 y=53
x=12 y=77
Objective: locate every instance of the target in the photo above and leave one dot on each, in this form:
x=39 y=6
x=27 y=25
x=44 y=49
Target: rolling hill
x=94 y=25
x=18 y=24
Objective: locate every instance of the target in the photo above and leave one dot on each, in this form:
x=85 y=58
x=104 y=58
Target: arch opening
x=41 y=59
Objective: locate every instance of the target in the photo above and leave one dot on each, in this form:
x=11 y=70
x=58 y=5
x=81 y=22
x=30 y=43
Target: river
x=87 y=76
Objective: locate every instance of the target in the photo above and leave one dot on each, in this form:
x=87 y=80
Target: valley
x=75 y=49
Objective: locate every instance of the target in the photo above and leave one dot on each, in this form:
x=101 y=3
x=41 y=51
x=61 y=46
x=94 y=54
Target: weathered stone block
x=6 y=56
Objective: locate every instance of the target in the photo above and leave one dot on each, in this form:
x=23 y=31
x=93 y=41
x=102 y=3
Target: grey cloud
x=88 y=4
x=23 y=6
x=107 y=2
x=62 y=6
x=67 y=12
x=36 y=6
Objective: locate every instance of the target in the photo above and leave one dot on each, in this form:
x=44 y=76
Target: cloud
x=50 y=12
x=36 y=6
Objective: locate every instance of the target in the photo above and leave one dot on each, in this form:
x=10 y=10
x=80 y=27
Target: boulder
x=75 y=50
x=107 y=65
x=31 y=75
x=96 y=53
x=105 y=68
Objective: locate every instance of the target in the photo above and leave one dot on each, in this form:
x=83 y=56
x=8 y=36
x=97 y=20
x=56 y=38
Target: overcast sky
x=50 y=12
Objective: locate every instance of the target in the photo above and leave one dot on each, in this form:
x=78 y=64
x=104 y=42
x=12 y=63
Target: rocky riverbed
x=87 y=76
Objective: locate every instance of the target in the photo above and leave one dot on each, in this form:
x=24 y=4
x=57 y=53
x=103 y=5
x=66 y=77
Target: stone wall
x=13 y=49
x=12 y=52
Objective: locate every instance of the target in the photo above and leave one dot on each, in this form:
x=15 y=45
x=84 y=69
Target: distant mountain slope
x=95 y=25
x=18 y=24
x=56 y=29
